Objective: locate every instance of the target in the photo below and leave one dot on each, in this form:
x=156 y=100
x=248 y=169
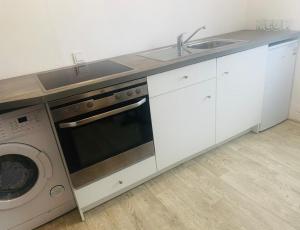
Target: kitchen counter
x=28 y=90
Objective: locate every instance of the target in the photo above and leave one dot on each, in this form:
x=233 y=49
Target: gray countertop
x=27 y=90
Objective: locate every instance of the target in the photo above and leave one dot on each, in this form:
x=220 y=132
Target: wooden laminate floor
x=250 y=183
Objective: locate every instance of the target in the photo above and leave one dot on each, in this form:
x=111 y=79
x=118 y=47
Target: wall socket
x=79 y=58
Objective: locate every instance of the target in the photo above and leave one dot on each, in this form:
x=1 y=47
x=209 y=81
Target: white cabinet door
x=240 y=89
x=183 y=122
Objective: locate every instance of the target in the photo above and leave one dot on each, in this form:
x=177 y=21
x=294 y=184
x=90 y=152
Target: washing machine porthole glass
x=18 y=174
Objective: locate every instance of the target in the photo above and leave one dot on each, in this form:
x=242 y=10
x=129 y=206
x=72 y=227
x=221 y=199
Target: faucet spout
x=193 y=34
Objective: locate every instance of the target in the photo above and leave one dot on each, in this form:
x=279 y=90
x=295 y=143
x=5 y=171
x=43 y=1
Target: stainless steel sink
x=211 y=44
x=195 y=47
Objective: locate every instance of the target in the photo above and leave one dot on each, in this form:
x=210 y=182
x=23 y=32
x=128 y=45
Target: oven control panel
x=70 y=111
x=131 y=93
x=19 y=124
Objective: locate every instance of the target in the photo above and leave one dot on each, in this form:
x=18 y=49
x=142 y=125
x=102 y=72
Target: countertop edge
x=49 y=96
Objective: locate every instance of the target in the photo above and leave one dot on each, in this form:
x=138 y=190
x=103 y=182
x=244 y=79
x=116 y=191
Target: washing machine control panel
x=19 y=124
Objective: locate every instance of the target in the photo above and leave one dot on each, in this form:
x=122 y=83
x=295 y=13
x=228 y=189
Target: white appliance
x=34 y=187
x=279 y=83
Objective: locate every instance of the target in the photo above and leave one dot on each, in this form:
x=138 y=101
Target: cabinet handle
x=208 y=97
x=186 y=77
x=226 y=73
x=120 y=182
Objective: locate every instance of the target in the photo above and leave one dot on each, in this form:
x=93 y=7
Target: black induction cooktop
x=68 y=76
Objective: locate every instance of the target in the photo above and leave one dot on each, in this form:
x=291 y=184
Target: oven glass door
x=96 y=138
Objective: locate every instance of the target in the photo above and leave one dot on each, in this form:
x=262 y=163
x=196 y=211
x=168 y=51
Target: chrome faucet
x=181 y=43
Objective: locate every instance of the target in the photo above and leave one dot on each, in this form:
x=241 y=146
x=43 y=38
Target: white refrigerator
x=279 y=83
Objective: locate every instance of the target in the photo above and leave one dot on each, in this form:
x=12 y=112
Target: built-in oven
x=104 y=131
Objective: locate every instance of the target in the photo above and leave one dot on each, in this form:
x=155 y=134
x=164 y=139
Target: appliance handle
x=102 y=115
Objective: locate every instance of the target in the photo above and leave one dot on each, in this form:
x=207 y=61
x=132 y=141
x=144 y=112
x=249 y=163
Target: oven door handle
x=102 y=115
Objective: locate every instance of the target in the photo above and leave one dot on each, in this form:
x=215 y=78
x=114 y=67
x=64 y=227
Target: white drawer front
x=101 y=189
x=182 y=77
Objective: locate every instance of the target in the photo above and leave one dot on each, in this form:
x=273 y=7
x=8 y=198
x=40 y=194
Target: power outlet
x=78 y=58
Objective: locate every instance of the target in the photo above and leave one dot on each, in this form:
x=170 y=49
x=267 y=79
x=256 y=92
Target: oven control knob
x=76 y=108
x=129 y=93
x=138 y=91
x=90 y=104
x=118 y=96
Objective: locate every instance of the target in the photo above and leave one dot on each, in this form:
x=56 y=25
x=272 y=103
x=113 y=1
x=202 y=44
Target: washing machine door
x=24 y=172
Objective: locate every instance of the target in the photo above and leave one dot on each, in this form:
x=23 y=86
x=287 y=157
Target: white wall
x=279 y=9
x=38 y=35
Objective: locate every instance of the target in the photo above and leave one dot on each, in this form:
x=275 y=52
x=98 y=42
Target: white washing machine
x=34 y=187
